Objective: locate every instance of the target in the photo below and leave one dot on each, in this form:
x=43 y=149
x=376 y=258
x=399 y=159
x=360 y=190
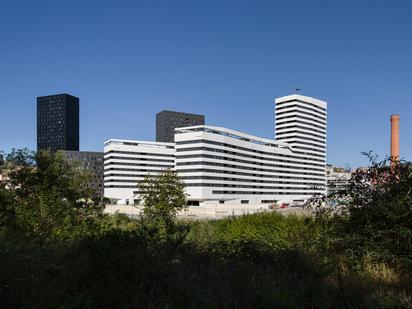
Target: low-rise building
x=337 y=179
x=91 y=161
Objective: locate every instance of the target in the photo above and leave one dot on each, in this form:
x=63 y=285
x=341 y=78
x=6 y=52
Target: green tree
x=45 y=197
x=163 y=196
x=376 y=221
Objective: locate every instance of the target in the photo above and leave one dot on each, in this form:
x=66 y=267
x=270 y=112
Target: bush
x=58 y=250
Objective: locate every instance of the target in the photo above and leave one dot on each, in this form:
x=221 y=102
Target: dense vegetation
x=57 y=249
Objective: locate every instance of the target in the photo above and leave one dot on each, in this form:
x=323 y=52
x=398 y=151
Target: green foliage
x=377 y=220
x=270 y=230
x=44 y=197
x=163 y=196
x=58 y=250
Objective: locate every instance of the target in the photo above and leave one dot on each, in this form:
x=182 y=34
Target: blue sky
x=128 y=60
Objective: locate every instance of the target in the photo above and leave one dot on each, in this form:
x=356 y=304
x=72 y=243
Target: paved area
x=210 y=211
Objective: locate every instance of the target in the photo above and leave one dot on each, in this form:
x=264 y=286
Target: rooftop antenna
x=298 y=90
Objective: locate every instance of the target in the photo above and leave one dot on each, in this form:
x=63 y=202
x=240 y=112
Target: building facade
x=168 y=121
x=338 y=179
x=58 y=122
x=301 y=122
x=227 y=166
x=91 y=161
x=127 y=162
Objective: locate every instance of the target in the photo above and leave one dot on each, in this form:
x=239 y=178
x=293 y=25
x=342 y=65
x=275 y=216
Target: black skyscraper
x=167 y=121
x=58 y=122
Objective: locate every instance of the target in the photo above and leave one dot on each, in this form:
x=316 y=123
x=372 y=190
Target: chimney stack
x=394 y=138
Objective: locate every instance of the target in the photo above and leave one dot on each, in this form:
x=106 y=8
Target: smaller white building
x=126 y=162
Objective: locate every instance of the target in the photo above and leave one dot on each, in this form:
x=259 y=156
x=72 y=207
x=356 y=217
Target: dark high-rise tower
x=168 y=121
x=58 y=122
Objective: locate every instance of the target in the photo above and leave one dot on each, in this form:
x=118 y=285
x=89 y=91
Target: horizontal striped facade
x=127 y=162
x=223 y=165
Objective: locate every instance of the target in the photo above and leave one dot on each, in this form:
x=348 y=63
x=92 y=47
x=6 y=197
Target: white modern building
x=301 y=122
x=220 y=165
x=227 y=166
x=127 y=162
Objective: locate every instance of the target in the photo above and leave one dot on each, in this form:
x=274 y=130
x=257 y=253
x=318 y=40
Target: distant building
x=93 y=162
x=168 y=121
x=58 y=122
x=337 y=179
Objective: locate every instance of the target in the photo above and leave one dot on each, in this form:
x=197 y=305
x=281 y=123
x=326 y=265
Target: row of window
x=202 y=141
x=251 y=187
x=310 y=193
x=301 y=114
x=138 y=164
x=132 y=170
x=206 y=170
x=139 y=153
x=138 y=159
x=245 y=155
x=320 y=117
x=140 y=144
x=299 y=121
x=282 y=107
x=247 y=162
x=225 y=178
x=310 y=149
x=245 y=168
x=309 y=155
x=296 y=126
x=264 y=193
x=302 y=143
x=318 y=139
x=140 y=177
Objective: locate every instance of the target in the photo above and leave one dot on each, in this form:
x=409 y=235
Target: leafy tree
x=163 y=196
x=377 y=218
x=45 y=197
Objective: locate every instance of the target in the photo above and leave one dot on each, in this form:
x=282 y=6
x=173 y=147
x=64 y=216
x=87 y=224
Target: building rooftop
x=234 y=134
x=138 y=143
x=298 y=97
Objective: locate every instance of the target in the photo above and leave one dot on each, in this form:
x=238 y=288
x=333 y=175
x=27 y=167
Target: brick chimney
x=394 y=138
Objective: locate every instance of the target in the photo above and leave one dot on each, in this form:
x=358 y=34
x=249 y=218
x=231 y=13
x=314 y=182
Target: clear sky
x=128 y=60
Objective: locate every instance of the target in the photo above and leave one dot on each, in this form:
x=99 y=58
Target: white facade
x=227 y=166
x=127 y=162
x=301 y=122
x=219 y=165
